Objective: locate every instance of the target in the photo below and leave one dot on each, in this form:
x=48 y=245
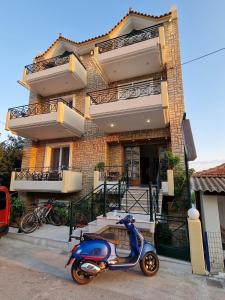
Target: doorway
x=143 y=163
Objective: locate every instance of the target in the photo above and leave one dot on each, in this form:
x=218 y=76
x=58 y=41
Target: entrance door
x=132 y=159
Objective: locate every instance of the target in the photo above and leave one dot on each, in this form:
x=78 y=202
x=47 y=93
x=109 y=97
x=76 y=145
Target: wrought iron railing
x=42 y=174
x=126 y=92
x=45 y=107
x=50 y=63
x=113 y=173
x=135 y=36
x=109 y=197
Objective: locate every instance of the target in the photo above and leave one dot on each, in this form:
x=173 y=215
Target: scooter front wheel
x=149 y=264
x=78 y=275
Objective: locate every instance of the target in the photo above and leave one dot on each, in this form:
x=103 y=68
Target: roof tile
x=131 y=12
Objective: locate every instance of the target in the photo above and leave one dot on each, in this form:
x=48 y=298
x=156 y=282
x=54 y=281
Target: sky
x=29 y=27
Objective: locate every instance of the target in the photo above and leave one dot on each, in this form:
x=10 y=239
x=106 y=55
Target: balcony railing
x=135 y=36
x=126 y=92
x=50 y=63
x=42 y=174
x=38 y=109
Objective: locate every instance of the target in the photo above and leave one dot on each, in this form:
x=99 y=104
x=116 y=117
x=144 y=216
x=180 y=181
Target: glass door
x=132 y=160
x=60 y=158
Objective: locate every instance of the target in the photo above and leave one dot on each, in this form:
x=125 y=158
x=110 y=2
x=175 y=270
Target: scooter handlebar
x=128 y=219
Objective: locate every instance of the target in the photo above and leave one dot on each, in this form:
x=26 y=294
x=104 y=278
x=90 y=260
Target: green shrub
x=173 y=160
x=16 y=209
x=61 y=210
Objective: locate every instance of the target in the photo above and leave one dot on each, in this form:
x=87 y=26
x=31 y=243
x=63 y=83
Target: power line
x=202 y=56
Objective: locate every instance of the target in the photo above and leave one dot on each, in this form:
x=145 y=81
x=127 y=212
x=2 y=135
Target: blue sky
x=29 y=27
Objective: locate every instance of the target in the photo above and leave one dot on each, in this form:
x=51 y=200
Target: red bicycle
x=43 y=214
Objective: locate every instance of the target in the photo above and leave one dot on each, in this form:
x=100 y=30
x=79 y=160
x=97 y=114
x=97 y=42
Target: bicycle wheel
x=54 y=219
x=29 y=223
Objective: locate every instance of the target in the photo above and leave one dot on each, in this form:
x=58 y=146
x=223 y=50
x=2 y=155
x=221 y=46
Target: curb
x=40 y=241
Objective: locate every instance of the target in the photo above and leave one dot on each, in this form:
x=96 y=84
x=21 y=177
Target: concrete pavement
x=30 y=271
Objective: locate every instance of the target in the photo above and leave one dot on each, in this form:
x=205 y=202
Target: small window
x=2 y=201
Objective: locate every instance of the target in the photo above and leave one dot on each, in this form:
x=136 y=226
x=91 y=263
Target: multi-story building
x=116 y=98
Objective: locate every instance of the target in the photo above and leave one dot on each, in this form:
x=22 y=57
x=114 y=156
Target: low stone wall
x=123 y=237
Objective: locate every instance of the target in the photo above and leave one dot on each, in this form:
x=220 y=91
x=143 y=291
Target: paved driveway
x=33 y=272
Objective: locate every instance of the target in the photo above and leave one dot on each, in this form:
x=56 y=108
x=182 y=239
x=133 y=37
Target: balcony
x=137 y=106
x=47 y=120
x=56 y=75
x=46 y=180
x=135 y=54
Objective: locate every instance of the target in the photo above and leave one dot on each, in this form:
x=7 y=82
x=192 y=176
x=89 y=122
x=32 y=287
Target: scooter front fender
x=147 y=248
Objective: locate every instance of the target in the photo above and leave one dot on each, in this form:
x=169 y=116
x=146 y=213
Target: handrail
x=126 y=92
x=51 y=62
x=135 y=36
x=36 y=108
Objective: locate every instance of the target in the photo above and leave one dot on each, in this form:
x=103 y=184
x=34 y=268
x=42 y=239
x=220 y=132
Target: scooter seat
x=109 y=237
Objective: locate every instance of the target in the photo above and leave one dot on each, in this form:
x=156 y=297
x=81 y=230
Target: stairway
x=136 y=200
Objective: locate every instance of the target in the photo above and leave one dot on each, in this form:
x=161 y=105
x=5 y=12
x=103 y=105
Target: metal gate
x=171 y=237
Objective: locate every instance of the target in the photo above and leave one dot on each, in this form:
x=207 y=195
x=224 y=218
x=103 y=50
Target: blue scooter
x=96 y=253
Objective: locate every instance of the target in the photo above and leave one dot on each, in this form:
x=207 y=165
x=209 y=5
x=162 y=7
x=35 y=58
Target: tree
x=10 y=157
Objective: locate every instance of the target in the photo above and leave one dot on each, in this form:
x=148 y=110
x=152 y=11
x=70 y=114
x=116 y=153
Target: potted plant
x=100 y=166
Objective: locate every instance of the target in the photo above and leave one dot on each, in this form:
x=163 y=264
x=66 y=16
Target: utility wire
x=202 y=56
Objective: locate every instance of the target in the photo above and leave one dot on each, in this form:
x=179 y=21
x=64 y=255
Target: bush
x=16 y=210
x=61 y=210
x=173 y=160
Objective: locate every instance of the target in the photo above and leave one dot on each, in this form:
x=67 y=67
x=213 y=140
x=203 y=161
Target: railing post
x=126 y=172
x=92 y=206
x=126 y=202
x=151 y=204
x=157 y=199
x=71 y=220
x=104 y=198
x=119 y=191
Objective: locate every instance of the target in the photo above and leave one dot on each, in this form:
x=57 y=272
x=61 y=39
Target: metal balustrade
x=42 y=174
x=126 y=92
x=45 y=107
x=135 y=36
x=50 y=63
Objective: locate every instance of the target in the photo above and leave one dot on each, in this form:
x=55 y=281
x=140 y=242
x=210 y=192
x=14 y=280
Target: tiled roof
x=211 y=180
x=218 y=171
x=130 y=13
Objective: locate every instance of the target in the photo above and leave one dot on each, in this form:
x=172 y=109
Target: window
x=2 y=201
x=60 y=158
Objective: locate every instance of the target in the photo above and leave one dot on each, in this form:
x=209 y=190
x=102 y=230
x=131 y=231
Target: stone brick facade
x=123 y=237
x=95 y=145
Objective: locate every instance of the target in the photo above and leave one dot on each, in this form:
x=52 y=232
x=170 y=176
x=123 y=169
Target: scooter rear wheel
x=149 y=264
x=78 y=275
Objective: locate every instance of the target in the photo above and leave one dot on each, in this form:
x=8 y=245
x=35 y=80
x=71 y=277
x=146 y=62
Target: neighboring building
x=116 y=98
x=209 y=186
